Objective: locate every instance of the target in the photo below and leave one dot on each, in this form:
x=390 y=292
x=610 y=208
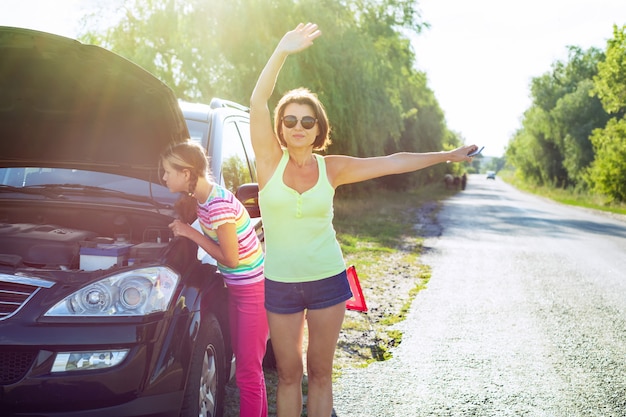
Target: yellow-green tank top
x=300 y=240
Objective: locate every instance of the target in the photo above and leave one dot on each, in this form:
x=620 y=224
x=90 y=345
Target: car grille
x=14 y=365
x=13 y=296
x=16 y=291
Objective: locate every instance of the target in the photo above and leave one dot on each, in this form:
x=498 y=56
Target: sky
x=479 y=55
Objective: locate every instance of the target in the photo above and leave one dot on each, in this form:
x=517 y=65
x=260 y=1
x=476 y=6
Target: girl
x=229 y=237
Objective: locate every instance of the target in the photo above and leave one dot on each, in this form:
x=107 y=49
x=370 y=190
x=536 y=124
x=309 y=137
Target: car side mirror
x=248 y=194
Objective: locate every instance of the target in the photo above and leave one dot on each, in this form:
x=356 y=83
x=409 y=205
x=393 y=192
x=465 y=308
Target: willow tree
x=362 y=67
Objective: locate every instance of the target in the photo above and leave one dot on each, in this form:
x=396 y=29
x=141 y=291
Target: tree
x=554 y=148
x=172 y=39
x=608 y=171
x=610 y=82
x=362 y=68
x=531 y=152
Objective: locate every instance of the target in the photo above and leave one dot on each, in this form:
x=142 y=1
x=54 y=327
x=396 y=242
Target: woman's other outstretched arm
x=348 y=170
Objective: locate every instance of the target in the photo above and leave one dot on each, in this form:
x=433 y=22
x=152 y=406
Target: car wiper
x=33 y=190
x=93 y=190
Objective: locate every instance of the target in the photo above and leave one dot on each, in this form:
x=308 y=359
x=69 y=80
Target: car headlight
x=131 y=293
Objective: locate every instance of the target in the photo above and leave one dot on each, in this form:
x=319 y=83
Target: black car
x=102 y=311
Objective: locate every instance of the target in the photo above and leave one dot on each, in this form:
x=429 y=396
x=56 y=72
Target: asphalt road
x=524 y=315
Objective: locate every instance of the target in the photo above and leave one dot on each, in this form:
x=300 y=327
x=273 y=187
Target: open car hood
x=71 y=105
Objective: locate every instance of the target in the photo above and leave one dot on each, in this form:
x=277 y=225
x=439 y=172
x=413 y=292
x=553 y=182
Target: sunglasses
x=307 y=122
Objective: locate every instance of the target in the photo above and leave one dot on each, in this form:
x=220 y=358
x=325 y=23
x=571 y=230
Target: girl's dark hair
x=304 y=96
x=191 y=156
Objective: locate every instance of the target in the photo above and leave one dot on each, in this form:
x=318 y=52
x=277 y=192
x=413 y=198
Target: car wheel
x=205 y=388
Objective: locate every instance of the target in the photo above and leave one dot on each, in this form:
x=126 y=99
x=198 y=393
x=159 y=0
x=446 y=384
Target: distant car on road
x=491 y=175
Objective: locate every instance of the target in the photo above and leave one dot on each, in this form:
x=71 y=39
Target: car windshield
x=197 y=131
x=30 y=180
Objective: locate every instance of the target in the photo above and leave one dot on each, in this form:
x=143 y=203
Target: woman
x=229 y=237
x=304 y=266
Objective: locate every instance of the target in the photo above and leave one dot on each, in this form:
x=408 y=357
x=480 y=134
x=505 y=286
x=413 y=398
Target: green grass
x=401 y=315
x=370 y=230
x=377 y=223
x=565 y=196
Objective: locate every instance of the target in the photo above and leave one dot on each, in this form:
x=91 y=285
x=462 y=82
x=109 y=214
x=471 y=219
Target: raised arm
x=349 y=170
x=266 y=146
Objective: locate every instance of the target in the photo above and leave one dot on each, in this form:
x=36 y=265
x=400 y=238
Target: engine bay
x=80 y=238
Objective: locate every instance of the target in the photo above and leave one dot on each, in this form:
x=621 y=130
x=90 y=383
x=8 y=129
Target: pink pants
x=249 y=333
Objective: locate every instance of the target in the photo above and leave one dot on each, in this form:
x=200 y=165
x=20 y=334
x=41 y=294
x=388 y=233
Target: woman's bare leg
x=286 y=332
x=324 y=326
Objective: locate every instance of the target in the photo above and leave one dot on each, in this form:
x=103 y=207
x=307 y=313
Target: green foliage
x=235 y=172
x=607 y=174
x=574 y=134
x=608 y=171
x=553 y=146
x=362 y=67
x=610 y=82
x=494 y=164
x=576 y=115
x=532 y=152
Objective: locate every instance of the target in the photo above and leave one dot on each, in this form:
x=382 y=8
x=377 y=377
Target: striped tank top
x=223 y=207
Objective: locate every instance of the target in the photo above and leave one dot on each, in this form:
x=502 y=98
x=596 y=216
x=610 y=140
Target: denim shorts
x=289 y=298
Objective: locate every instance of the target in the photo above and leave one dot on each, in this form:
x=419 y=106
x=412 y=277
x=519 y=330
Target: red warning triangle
x=357 y=302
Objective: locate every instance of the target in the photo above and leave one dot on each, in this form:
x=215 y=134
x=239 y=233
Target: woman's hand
x=460 y=154
x=299 y=38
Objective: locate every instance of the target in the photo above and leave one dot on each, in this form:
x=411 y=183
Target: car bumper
x=165 y=405
x=145 y=383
